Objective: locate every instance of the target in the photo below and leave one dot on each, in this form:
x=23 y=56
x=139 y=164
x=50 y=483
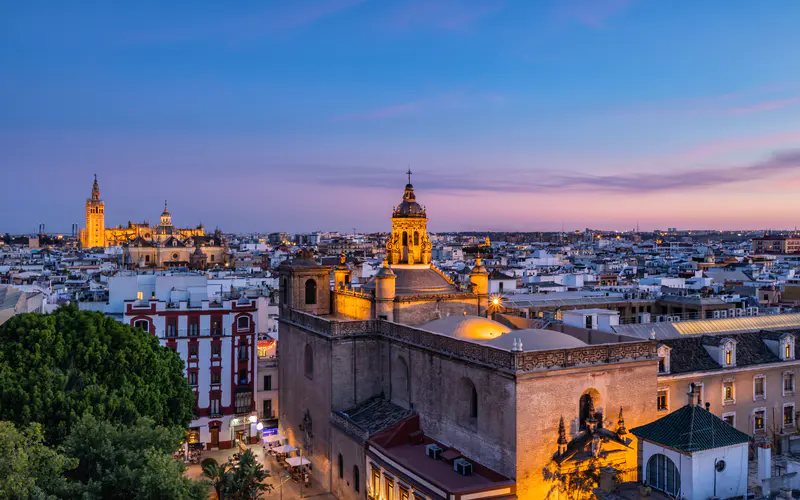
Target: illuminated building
x=94 y=235
x=374 y=378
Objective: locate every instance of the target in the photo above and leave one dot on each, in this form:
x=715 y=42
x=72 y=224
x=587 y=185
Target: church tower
x=409 y=243
x=95 y=233
x=166 y=217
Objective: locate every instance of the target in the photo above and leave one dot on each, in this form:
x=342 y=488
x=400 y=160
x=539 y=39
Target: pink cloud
x=386 y=112
x=764 y=106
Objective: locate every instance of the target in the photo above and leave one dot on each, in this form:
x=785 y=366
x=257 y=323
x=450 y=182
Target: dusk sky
x=304 y=115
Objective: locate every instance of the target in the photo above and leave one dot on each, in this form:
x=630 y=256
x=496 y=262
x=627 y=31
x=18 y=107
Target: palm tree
x=248 y=476
x=220 y=475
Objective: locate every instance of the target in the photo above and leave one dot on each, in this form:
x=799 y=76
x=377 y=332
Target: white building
x=217 y=340
x=692 y=453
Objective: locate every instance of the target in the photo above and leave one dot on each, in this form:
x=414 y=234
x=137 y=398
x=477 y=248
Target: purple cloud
x=539 y=180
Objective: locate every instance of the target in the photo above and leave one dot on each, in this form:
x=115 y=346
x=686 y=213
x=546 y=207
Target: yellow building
x=95 y=233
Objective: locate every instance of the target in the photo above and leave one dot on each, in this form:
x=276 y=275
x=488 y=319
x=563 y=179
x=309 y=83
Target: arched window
x=586 y=407
x=416 y=238
x=142 y=324
x=401 y=393
x=468 y=404
x=309 y=362
x=243 y=323
x=662 y=475
x=341 y=466
x=356 y=479
x=311 y=291
x=405 y=238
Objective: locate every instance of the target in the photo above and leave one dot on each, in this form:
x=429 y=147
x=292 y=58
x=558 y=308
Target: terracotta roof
x=691 y=428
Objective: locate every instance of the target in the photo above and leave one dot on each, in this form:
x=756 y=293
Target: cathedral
x=413 y=387
x=144 y=246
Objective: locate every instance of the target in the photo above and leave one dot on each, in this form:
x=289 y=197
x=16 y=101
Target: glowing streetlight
x=495 y=301
x=259 y=426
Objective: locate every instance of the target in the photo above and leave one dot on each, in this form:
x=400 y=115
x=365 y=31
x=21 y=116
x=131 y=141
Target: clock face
x=720 y=466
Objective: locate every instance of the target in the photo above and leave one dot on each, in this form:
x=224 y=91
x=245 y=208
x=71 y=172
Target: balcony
x=192 y=332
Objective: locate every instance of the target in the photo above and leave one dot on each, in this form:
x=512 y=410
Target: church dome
x=409 y=206
x=536 y=339
x=467 y=327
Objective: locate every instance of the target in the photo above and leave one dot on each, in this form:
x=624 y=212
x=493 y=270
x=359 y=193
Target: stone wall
x=352 y=305
x=299 y=394
x=352 y=452
x=543 y=398
x=357 y=372
x=418 y=310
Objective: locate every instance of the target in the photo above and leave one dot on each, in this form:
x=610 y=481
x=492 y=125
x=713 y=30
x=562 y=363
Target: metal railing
x=184 y=332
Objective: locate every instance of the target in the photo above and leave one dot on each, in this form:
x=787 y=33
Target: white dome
x=467 y=327
x=536 y=339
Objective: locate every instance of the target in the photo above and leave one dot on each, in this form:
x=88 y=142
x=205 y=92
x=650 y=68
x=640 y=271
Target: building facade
x=217 y=341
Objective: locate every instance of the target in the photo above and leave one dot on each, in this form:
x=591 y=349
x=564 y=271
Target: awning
x=274 y=438
x=297 y=461
x=287 y=448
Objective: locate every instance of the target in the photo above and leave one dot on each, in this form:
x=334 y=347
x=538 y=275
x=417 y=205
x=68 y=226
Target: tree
x=55 y=368
x=220 y=476
x=242 y=481
x=29 y=469
x=129 y=462
x=573 y=485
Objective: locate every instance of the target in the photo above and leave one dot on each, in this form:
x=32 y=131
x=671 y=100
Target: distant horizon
x=306 y=114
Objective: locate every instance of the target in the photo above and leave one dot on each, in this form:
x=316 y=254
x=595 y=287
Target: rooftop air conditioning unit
x=462 y=466
x=668 y=319
x=433 y=451
x=755 y=311
x=731 y=313
x=740 y=312
x=718 y=314
x=675 y=319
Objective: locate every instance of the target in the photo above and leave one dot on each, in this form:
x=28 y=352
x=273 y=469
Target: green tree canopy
x=29 y=469
x=129 y=461
x=58 y=367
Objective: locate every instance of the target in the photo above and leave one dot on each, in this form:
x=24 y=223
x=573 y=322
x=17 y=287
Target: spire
x=562 y=437
x=621 y=430
x=409 y=175
x=95 y=189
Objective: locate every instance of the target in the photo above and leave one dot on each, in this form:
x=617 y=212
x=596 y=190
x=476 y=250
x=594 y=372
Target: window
x=788 y=352
x=473 y=406
x=172 y=327
x=788 y=415
x=759 y=420
x=215 y=406
x=376 y=481
x=311 y=292
x=212 y=257
x=142 y=324
x=139 y=295
x=309 y=362
x=341 y=466
x=242 y=377
x=389 y=493
x=728 y=356
x=216 y=326
x=729 y=418
x=356 y=478
x=728 y=394
x=266 y=407
x=216 y=347
x=759 y=387
x=243 y=323
x=267 y=382
x=403 y=493
x=147 y=259
x=215 y=377
x=416 y=238
x=242 y=354
x=662 y=475
x=662 y=401
x=244 y=401
x=588 y=322
x=788 y=384
x=192 y=378
x=661 y=365
x=194 y=327
x=193 y=350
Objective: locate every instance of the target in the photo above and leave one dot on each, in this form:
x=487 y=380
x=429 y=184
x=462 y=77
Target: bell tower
x=409 y=243
x=95 y=233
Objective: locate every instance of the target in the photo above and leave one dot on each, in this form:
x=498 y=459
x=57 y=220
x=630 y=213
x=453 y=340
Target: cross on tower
x=409 y=175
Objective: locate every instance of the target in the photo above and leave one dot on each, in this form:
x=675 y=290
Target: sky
x=304 y=115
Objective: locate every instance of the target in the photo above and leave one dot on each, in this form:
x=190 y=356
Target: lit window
x=788 y=351
x=138 y=295
x=759 y=417
x=728 y=357
x=728 y=394
x=662 y=401
x=730 y=419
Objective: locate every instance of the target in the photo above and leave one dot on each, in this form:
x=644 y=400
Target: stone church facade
x=356 y=380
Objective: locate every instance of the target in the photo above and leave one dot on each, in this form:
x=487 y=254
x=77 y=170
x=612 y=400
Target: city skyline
x=304 y=116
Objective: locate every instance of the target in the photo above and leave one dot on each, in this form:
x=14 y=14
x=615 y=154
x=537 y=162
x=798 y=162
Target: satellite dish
x=720 y=466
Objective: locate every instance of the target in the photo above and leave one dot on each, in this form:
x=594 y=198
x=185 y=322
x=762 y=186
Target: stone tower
x=166 y=217
x=409 y=243
x=385 y=292
x=305 y=285
x=95 y=233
